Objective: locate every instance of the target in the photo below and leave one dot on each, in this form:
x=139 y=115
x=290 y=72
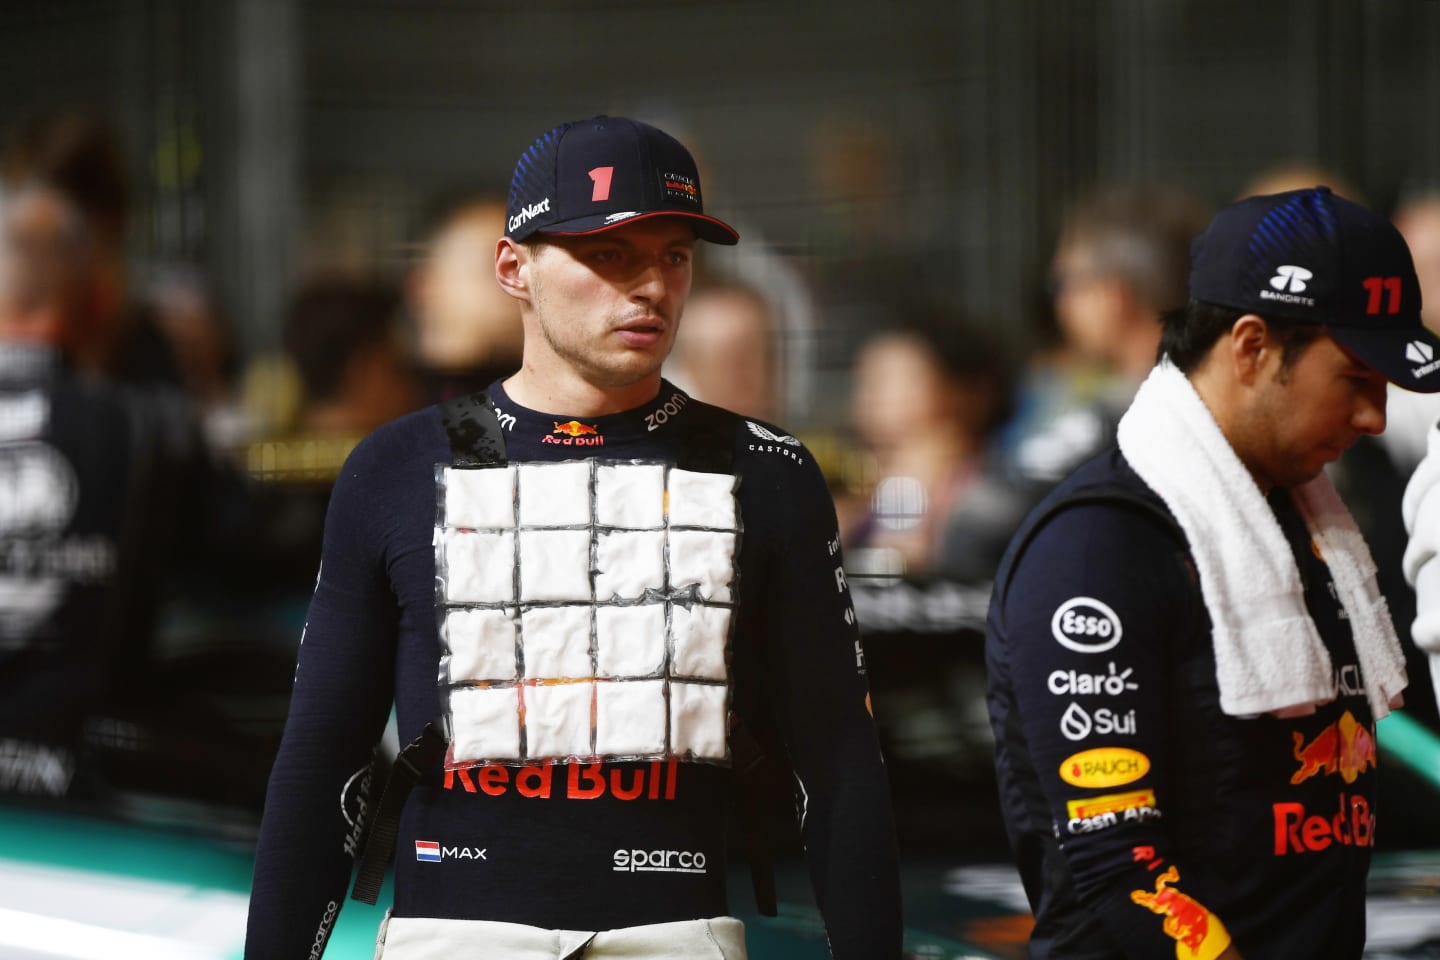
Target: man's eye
x=679 y=258
x=604 y=256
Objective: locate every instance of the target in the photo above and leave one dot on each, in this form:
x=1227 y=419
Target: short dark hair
x=330 y=320
x=79 y=154
x=1190 y=332
x=438 y=212
x=961 y=349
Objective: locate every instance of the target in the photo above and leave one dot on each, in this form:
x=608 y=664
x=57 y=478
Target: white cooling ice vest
x=585 y=611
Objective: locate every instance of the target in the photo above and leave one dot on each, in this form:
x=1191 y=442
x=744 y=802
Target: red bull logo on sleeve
x=577 y=434
x=1198 y=933
x=1345 y=748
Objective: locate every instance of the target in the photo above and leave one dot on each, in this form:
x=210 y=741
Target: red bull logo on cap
x=575 y=434
x=1345 y=748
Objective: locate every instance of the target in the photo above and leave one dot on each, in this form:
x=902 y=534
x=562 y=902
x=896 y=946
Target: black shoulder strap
x=475 y=439
x=751 y=766
x=473 y=430
x=411 y=766
x=1113 y=494
x=708 y=446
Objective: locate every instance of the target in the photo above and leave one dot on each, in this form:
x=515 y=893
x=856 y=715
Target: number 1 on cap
x=601 y=176
x=1375 y=286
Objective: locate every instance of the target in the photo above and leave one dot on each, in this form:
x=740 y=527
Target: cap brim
x=1408 y=357
x=706 y=228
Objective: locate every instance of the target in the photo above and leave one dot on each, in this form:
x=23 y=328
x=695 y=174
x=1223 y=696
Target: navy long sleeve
x=1146 y=820
x=543 y=844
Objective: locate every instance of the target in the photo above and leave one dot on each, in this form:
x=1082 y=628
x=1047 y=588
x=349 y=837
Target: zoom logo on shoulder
x=1085 y=625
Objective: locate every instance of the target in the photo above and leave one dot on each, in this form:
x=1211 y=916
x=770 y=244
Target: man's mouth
x=645 y=332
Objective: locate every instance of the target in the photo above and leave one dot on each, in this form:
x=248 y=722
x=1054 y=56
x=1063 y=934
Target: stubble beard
x=591 y=365
x=600 y=368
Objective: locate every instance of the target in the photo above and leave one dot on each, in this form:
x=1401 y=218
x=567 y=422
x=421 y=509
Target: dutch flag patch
x=427 y=851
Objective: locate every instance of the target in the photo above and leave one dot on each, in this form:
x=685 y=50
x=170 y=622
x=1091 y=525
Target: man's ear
x=1251 y=348
x=512 y=268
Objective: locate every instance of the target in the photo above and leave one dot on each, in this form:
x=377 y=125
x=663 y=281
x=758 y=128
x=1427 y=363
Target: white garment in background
x=1408 y=419
x=1421 y=509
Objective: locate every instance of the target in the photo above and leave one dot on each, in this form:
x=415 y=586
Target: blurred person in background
x=728 y=351
x=185 y=312
x=355 y=371
x=603 y=220
x=343 y=338
x=237 y=618
x=467 y=331
x=100 y=494
x=72 y=161
x=1298 y=175
x=929 y=394
x=1121 y=262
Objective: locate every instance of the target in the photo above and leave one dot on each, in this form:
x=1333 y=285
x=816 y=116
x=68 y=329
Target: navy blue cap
x=1310 y=255
x=593 y=175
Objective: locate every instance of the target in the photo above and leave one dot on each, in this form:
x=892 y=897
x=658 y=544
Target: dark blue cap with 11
x=1310 y=255
x=592 y=175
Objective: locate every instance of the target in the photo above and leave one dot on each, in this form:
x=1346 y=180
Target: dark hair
x=332 y=319
x=440 y=211
x=78 y=154
x=961 y=349
x=1189 y=333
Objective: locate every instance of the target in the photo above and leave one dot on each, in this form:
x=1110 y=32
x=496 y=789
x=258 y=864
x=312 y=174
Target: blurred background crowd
x=244 y=233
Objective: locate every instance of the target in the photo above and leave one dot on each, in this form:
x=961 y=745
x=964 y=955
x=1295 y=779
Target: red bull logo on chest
x=576 y=434
x=1297 y=831
x=1345 y=748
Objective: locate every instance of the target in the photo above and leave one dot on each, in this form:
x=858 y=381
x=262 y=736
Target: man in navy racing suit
x=1173 y=786
x=546 y=842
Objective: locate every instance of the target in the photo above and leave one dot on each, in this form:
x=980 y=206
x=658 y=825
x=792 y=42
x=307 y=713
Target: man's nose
x=1370 y=410
x=649 y=284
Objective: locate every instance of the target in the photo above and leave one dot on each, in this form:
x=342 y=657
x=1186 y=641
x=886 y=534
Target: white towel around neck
x=1269 y=657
